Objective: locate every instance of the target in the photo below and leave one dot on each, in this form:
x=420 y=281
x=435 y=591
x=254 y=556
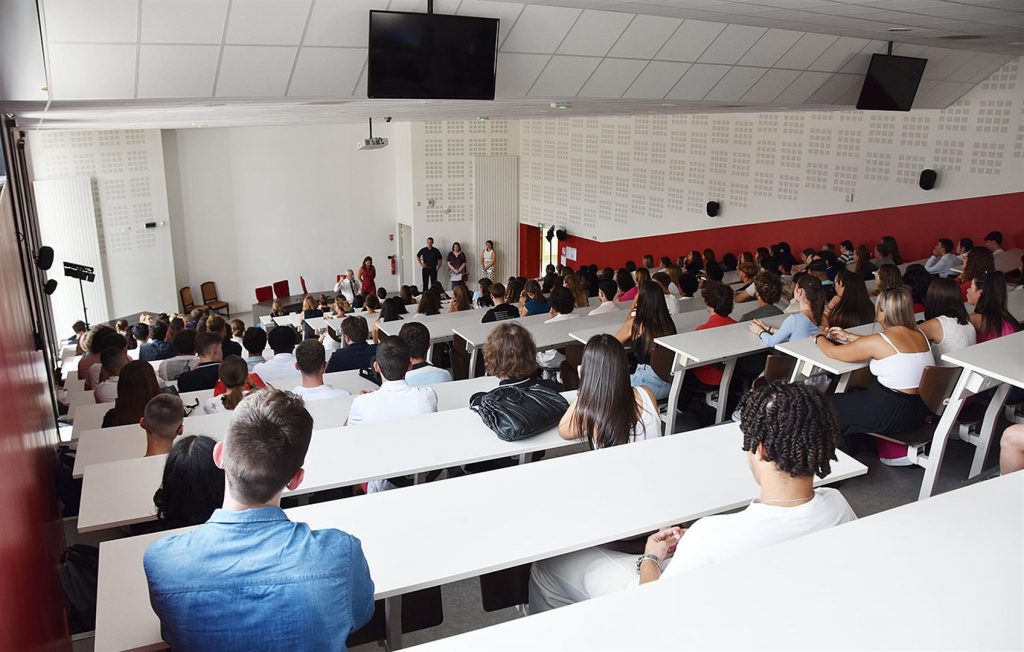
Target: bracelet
x=642 y=558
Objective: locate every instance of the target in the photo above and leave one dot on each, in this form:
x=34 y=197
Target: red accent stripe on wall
x=915 y=227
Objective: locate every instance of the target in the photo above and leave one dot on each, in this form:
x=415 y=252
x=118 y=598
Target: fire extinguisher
x=393 y=264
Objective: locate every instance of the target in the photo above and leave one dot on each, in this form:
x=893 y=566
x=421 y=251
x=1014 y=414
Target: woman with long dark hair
x=192 y=487
x=460 y=299
x=136 y=384
x=987 y=293
x=367 y=277
x=811 y=297
x=887 y=277
x=894 y=249
x=574 y=284
x=851 y=306
x=649 y=321
x=607 y=410
x=917 y=279
x=862 y=265
x=234 y=373
x=947 y=324
x=627 y=286
x=428 y=305
x=978 y=261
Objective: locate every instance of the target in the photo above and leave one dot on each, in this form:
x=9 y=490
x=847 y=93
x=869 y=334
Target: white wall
x=625 y=177
x=262 y=204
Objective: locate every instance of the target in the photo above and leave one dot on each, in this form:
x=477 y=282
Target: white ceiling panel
x=183 y=21
x=540 y=29
x=698 y=80
x=833 y=89
x=517 y=72
x=859 y=62
x=594 y=33
x=177 y=70
x=768 y=87
x=948 y=65
x=735 y=84
x=341 y=23
x=802 y=87
x=91 y=21
x=770 y=47
x=849 y=97
x=91 y=71
x=254 y=71
x=978 y=65
x=690 y=40
x=644 y=37
x=612 y=78
x=564 y=76
x=806 y=50
x=731 y=44
x=505 y=12
x=657 y=79
x=327 y=72
x=420 y=6
x=267 y=22
x=839 y=54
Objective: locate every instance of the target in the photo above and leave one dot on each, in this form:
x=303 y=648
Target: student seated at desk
x=140 y=332
x=851 y=306
x=862 y=265
x=112 y=360
x=254 y=341
x=217 y=325
x=943 y=260
x=136 y=384
x=979 y=261
x=237 y=327
x=789 y=435
x=162 y=420
x=562 y=306
x=574 y=284
x=389 y=311
x=460 y=299
x=767 y=291
x=311 y=362
x=79 y=329
x=947 y=324
x=532 y=301
x=987 y=293
x=898 y=356
x=606 y=290
x=236 y=384
x=811 y=298
x=748 y=291
x=994 y=242
x=185 y=356
x=429 y=304
x=158 y=348
x=206 y=373
x=303 y=588
x=309 y=311
x=649 y=321
x=421 y=372
x=356 y=354
x=718 y=301
x=502 y=310
x=282 y=365
x=96 y=374
x=192 y=487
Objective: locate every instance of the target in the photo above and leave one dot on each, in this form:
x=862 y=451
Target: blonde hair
x=897 y=306
x=309 y=303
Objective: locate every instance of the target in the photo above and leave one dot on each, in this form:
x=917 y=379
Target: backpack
x=79 y=569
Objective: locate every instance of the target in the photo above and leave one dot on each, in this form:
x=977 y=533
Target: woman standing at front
x=367 y=274
x=488 y=260
x=457 y=265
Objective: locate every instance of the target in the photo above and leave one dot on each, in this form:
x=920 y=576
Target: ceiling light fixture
x=899 y=29
x=561 y=105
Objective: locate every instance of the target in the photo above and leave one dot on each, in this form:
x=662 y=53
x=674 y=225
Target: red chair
x=281 y=289
x=302 y=282
x=265 y=293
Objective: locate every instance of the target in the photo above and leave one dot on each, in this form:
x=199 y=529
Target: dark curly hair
x=796 y=424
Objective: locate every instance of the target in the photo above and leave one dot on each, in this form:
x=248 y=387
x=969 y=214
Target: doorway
x=405 y=268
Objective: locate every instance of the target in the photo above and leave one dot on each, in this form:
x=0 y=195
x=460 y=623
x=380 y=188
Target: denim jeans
x=644 y=375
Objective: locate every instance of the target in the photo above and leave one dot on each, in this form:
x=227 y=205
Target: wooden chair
x=187 y=302
x=209 y=290
x=265 y=293
x=281 y=289
x=937 y=384
x=776 y=367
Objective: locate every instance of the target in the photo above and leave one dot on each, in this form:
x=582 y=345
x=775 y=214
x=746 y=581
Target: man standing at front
x=430 y=261
x=250 y=578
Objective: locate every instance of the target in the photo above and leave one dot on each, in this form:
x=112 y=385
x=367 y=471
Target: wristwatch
x=642 y=558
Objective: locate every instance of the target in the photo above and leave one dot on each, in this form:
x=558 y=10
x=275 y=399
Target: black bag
x=515 y=412
x=79 y=568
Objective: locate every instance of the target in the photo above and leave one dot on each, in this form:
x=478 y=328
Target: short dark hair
x=719 y=297
x=846 y=245
x=266 y=444
x=995 y=236
x=768 y=287
x=355 y=329
x=112 y=359
x=796 y=425
x=159 y=331
x=206 y=341
x=382 y=293
x=713 y=271
x=113 y=339
x=310 y=357
x=497 y=291
x=140 y=331
x=164 y=414
x=609 y=288
x=417 y=336
x=193 y=486
x=255 y=340
x=281 y=339
x=393 y=357
x=946 y=244
x=561 y=300
x=79 y=326
x=184 y=342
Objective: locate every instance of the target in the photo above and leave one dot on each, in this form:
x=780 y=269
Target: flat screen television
x=891 y=83
x=431 y=56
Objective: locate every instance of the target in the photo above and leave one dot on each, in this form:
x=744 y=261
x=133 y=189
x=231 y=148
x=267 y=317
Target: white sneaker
x=896 y=461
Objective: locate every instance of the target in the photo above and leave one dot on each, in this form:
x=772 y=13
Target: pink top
x=1007 y=329
x=629 y=294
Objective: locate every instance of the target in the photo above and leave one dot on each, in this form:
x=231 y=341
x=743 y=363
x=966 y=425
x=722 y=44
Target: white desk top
x=714 y=344
x=558 y=334
x=752 y=602
x=90 y=416
x=440 y=326
x=563 y=504
x=684 y=321
x=476 y=333
x=807 y=351
x=1001 y=359
x=120 y=493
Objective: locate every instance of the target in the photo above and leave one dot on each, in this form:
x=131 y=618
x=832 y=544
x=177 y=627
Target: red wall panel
x=915 y=227
x=529 y=250
x=31 y=610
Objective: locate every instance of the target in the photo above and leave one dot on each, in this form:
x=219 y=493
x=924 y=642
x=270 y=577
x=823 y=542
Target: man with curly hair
x=789 y=434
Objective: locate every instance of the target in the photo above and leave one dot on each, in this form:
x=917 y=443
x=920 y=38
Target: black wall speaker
x=561 y=234
x=44 y=258
x=713 y=207
x=50 y=287
x=927 y=180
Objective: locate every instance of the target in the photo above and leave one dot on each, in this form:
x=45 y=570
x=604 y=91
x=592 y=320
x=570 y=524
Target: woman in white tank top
x=897 y=356
x=607 y=411
x=946 y=324
x=488 y=260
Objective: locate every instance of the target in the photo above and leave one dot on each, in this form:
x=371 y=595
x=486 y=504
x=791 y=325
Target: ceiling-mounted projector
x=371 y=142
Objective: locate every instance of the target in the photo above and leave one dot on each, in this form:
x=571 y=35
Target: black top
x=230 y=347
x=307 y=331
x=204 y=376
x=430 y=256
x=501 y=312
x=357 y=355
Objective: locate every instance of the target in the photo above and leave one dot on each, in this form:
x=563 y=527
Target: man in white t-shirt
x=282 y=365
x=789 y=434
x=111 y=360
x=421 y=372
x=606 y=290
x=562 y=305
x=311 y=361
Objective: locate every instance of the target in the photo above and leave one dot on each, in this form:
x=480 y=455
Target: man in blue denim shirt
x=249 y=578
